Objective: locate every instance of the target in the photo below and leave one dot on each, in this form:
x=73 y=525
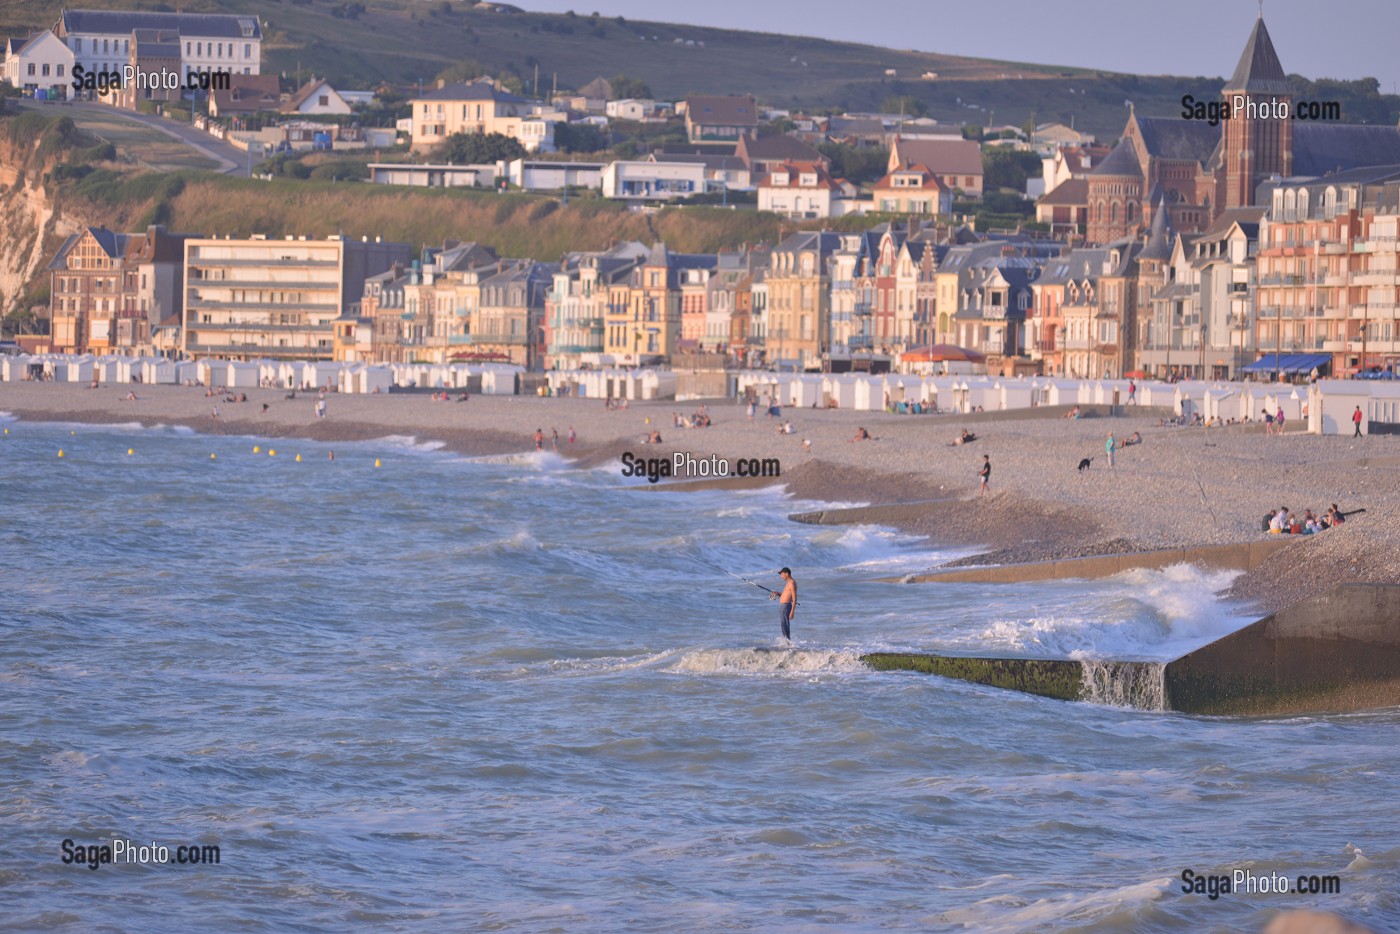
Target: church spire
x=1259 y=70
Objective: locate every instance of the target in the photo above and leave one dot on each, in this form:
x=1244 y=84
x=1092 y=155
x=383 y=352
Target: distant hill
x=361 y=44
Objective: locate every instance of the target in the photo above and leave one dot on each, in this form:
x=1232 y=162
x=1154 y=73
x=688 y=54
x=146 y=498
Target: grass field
x=146 y=145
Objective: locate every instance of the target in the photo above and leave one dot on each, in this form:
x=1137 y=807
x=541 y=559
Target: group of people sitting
x=698 y=419
x=653 y=438
x=444 y=397
x=1283 y=522
x=609 y=404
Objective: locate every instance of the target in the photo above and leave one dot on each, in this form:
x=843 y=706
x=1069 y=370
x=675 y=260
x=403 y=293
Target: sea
x=399 y=689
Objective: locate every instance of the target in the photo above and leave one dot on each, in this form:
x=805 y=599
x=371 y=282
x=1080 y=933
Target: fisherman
x=788 y=600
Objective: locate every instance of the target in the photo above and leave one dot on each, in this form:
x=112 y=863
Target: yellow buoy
x=60 y=452
x=73 y=433
x=213 y=457
x=376 y=462
x=130 y=451
x=257 y=449
x=7 y=431
x=271 y=452
x=298 y=458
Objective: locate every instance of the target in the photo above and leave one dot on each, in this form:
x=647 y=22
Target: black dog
x=1084 y=464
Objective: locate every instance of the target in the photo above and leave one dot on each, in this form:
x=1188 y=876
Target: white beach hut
x=14 y=367
x=658 y=384
x=1016 y=394
x=77 y=370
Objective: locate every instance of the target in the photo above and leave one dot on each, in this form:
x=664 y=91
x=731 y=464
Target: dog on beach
x=1084 y=464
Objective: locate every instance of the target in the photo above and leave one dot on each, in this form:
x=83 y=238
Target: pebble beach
x=1181 y=487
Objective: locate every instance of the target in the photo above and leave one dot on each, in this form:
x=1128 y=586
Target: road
x=230 y=160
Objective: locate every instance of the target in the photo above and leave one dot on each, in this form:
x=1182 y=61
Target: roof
x=714 y=110
x=823 y=241
x=121 y=22
x=598 y=87
x=1258 y=71
x=1174 y=138
x=1248 y=219
x=944 y=156
x=157 y=43
x=855 y=126
x=1073 y=192
x=474 y=91
x=711 y=162
x=931 y=182
x=778 y=147
x=1159 y=241
x=307 y=89
x=796 y=170
x=1320 y=148
x=248 y=93
x=1122 y=161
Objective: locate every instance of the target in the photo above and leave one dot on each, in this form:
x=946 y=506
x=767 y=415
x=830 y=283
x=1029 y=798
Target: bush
x=342 y=170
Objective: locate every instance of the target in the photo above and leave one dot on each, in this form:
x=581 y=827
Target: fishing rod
x=736 y=576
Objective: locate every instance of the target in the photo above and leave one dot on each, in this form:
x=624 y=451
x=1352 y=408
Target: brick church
x=1196 y=171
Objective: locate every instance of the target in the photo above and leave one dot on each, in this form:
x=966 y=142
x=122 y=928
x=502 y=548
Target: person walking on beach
x=1278 y=422
x=788 y=601
x=1132 y=393
x=1356 y=420
x=1109 y=447
x=986 y=474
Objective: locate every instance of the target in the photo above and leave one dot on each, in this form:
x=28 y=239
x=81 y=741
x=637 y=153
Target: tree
x=859 y=164
x=579 y=137
x=907 y=104
x=625 y=88
x=1006 y=168
x=479 y=148
x=468 y=69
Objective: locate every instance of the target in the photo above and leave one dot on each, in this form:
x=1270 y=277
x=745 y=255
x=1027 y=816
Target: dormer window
x=809 y=179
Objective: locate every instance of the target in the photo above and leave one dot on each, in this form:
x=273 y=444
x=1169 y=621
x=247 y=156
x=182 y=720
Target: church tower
x=1258 y=137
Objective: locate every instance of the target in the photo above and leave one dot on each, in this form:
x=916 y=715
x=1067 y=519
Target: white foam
x=411 y=443
x=768 y=661
x=1140 y=614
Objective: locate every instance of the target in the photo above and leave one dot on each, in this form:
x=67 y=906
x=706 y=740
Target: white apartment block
x=100 y=40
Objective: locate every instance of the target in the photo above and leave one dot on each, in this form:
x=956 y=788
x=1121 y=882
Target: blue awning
x=1288 y=363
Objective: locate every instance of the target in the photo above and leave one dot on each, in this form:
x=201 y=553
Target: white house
x=39 y=63
x=630 y=109
x=805 y=190
x=316 y=97
x=552 y=176
x=100 y=40
x=438 y=175
x=653 y=181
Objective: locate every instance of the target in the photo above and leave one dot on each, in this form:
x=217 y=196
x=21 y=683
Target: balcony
x=859 y=342
x=197 y=261
x=249 y=326
x=491 y=337
x=993 y=347
x=303 y=285
x=260 y=350
x=1269 y=312
x=1049 y=346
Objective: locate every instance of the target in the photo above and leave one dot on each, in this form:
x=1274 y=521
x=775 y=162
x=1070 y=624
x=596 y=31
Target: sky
x=1336 y=39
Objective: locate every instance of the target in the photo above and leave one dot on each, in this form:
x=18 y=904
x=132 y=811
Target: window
x=221 y=50
x=31 y=69
x=247 y=50
x=199 y=48
x=189 y=46
x=60 y=71
x=77 y=45
x=46 y=70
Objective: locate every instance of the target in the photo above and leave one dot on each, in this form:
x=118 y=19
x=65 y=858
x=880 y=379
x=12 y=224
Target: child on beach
x=986 y=474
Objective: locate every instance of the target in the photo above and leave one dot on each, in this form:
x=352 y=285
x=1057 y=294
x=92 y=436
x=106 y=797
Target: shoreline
x=1182 y=488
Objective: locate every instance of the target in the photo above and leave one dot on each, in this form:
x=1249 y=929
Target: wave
x=1153 y=615
x=764 y=660
x=410 y=442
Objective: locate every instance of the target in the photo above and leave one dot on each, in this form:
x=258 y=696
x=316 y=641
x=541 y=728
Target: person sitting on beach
x=1072 y=413
x=464 y=397
x=1279 y=523
x=653 y=438
x=131 y=396
x=861 y=435
x=966 y=437
x=1310 y=524
x=264 y=408
x=1338 y=517
x=1134 y=438
x=1267 y=525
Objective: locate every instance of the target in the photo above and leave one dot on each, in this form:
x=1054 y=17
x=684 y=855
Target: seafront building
x=101 y=40
x=260 y=298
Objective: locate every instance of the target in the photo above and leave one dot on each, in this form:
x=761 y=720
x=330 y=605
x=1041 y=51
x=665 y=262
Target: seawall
x=1332 y=653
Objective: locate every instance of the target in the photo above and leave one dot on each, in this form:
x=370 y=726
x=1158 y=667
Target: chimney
x=441 y=83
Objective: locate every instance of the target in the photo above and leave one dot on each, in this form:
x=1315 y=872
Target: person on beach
x=1356 y=420
x=985 y=474
x=788 y=601
x=1278 y=422
x=539 y=439
x=1132 y=393
x=861 y=435
x=572 y=437
x=1109 y=447
x=554 y=439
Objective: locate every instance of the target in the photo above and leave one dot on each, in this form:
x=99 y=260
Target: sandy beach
x=1180 y=487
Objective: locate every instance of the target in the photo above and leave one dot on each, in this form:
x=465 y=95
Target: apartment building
x=101 y=40
x=261 y=298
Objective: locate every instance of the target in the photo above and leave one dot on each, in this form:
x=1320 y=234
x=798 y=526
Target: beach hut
x=499 y=379
x=1222 y=403
x=76 y=370
x=805 y=391
x=841 y=391
x=157 y=371
x=14 y=367
x=658 y=384
x=1015 y=394
x=982 y=394
x=1188 y=400
x=869 y=394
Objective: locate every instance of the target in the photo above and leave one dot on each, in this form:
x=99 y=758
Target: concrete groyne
x=1336 y=652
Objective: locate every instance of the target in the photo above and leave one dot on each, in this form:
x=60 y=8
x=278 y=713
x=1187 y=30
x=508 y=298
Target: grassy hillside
x=405 y=41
